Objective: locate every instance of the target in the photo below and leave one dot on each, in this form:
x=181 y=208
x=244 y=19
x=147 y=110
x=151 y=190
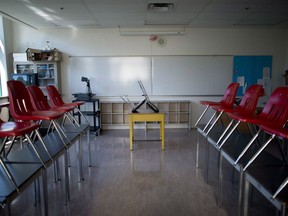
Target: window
x=3 y=62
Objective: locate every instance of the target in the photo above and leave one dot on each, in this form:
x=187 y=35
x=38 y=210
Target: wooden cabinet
x=48 y=71
x=116 y=114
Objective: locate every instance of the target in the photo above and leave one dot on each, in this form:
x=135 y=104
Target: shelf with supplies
x=45 y=72
x=116 y=114
x=43 y=55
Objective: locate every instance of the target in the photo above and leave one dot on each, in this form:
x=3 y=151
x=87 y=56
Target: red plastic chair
x=40 y=103
x=247 y=107
x=282 y=133
x=56 y=98
x=274 y=112
x=57 y=101
x=269 y=180
x=21 y=109
x=274 y=115
x=227 y=101
x=14 y=130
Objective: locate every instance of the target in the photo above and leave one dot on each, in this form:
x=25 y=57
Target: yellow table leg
x=131 y=134
x=162 y=134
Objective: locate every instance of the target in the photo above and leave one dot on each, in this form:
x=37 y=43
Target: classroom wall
x=200 y=41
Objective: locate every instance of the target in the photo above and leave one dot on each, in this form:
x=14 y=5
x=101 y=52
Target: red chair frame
x=227 y=101
x=246 y=107
x=274 y=114
x=57 y=101
x=14 y=130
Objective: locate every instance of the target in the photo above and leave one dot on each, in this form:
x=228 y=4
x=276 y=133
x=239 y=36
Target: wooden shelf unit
x=116 y=113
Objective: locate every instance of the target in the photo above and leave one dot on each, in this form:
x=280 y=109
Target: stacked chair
x=15 y=177
x=247 y=105
x=57 y=102
x=246 y=151
x=19 y=167
x=40 y=103
x=270 y=181
x=239 y=150
x=227 y=101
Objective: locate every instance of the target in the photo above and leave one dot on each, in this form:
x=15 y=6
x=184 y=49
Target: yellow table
x=146 y=117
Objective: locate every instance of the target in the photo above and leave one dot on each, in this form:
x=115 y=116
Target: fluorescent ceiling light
x=151 y=31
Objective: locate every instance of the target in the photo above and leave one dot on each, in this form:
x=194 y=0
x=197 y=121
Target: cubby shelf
x=177 y=113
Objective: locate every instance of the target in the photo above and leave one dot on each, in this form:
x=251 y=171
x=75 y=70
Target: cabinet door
x=24 y=68
x=46 y=74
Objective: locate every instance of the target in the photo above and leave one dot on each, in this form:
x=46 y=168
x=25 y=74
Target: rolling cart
x=95 y=113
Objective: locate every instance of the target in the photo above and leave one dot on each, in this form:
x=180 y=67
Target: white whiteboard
x=191 y=75
x=161 y=75
x=110 y=76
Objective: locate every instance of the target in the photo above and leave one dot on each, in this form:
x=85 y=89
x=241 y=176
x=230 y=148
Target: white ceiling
x=134 y=13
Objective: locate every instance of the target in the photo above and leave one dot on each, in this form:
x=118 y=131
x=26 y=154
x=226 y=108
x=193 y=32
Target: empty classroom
x=144 y=107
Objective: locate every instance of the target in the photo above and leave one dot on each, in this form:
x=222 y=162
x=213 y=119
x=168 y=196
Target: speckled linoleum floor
x=144 y=182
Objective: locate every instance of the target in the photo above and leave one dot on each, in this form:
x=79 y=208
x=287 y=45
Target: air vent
x=160 y=7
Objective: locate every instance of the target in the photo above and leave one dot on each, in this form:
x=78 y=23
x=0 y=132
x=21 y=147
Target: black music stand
x=145 y=100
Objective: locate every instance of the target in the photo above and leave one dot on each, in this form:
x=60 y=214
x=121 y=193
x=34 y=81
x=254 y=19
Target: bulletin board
x=248 y=70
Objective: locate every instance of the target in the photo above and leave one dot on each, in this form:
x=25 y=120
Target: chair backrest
x=19 y=99
x=38 y=98
x=54 y=96
x=230 y=95
x=276 y=108
x=250 y=99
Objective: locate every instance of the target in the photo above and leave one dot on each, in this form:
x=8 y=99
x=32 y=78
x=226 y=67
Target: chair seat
x=267 y=180
x=211 y=103
x=223 y=108
x=242 y=117
x=17 y=128
x=53 y=143
x=64 y=108
x=236 y=144
x=56 y=98
x=23 y=173
x=74 y=104
x=280 y=132
x=41 y=115
x=255 y=119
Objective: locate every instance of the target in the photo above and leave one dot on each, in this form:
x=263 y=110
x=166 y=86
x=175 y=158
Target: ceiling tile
x=113 y=13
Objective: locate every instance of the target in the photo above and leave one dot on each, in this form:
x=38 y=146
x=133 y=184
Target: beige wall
x=201 y=41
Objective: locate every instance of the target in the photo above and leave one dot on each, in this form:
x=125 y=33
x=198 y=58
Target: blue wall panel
x=252 y=68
